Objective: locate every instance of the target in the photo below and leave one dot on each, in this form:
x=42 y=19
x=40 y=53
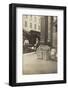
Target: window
x=25 y=23
x=30 y=25
x=39 y=27
x=34 y=26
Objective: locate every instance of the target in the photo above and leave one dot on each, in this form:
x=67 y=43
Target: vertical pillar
x=51 y=31
x=54 y=36
x=44 y=30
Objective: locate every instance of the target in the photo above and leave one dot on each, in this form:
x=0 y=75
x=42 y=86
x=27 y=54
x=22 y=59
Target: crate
x=43 y=52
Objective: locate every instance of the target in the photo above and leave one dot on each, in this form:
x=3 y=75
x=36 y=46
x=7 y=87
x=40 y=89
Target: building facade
x=31 y=22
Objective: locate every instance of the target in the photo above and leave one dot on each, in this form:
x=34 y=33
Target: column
x=44 y=30
x=54 y=35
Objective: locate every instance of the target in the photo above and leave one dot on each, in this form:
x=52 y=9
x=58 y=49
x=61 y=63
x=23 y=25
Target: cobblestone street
x=33 y=65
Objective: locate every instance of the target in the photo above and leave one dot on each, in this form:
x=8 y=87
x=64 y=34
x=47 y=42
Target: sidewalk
x=32 y=65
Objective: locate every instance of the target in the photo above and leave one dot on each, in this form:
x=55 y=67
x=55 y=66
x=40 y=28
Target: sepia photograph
x=39 y=42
